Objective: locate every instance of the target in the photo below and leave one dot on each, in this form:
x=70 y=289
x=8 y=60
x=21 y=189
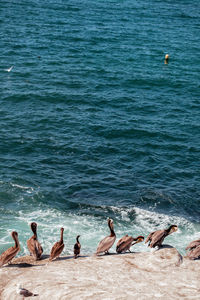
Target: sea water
x=94 y=124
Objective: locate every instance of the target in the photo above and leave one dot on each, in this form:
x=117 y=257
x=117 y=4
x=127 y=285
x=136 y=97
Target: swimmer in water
x=166 y=59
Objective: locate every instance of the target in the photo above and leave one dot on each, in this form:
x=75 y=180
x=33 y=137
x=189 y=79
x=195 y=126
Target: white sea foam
x=28 y=188
x=92 y=229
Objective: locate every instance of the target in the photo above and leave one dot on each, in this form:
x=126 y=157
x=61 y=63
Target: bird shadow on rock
x=45 y=256
x=70 y=257
x=164 y=246
x=22 y=265
x=82 y=256
x=115 y=253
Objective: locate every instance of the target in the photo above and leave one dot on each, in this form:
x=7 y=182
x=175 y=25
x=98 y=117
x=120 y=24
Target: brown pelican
x=33 y=245
x=126 y=242
x=108 y=241
x=11 y=252
x=77 y=247
x=57 y=247
x=157 y=237
x=194 y=250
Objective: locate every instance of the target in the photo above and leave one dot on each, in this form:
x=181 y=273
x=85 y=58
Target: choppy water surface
x=93 y=124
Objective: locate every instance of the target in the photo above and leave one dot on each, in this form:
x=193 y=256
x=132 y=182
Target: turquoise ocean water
x=93 y=124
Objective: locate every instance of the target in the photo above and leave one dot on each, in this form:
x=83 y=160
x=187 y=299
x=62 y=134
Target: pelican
x=157 y=237
x=11 y=252
x=77 y=247
x=57 y=247
x=108 y=241
x=126 y=242
x=194 y=250
x=33 y=245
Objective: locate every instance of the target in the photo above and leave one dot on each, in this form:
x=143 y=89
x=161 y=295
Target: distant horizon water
x=94 y=124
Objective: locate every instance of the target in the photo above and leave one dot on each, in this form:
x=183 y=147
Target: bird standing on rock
x=126 y=242
x=57 y=247
x=11 y=252
x=157 y=237
x=33 y=245
x=77 y=247
x=108 y=241
x=24 y=292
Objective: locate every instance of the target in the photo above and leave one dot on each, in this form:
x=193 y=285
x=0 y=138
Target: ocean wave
x=93 y=227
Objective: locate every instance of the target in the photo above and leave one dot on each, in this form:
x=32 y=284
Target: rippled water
x=94 y=124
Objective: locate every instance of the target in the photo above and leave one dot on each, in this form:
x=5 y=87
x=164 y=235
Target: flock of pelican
x=154 y=239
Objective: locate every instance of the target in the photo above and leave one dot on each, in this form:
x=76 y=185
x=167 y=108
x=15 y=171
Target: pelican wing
x=193 y=244
x=77 y=248
x=56 y=250
x=149 y=237
x=8 y=255
x=157 y=238
x=53 y=249
x=39 y=249
x=34 y=247
x=195 y=253
x=124 y=243
x=106 y=244
x=30 y=244
x=122 y=239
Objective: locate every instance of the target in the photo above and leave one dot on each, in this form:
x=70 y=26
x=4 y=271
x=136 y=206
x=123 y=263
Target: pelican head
x=138 y=239
x=33 y=226
x=110 y=221
x=77 y=239
x=14 y=234
x=172 y=229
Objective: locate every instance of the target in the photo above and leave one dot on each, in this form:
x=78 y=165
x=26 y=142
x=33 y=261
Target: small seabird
x=194 y=250
x=24 y=292
x=157 y=237
x=77 y=247
x=126 y=242
x=166 y=59
x=9 y=69
x=11 y=252
x=108 y=241
x=33 y=245
x=57 y=247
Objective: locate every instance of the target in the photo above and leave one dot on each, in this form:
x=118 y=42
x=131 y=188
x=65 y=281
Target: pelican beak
x=139 y=240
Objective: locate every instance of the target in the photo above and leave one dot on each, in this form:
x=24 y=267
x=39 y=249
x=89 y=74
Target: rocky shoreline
x=162 y=274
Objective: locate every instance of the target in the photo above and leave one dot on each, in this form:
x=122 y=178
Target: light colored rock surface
x=157 y=275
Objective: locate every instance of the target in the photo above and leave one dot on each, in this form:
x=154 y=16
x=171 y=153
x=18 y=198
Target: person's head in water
x=166 y=58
